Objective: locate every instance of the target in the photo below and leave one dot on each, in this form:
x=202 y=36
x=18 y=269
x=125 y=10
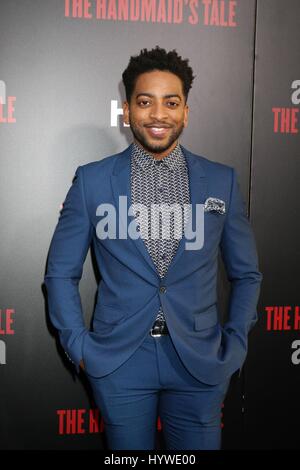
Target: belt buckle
x=155 y=335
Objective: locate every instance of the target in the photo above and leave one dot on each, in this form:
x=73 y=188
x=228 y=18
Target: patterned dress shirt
x=160 y=182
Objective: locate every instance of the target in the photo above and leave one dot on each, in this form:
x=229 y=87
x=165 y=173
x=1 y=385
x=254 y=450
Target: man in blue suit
x=157 y=347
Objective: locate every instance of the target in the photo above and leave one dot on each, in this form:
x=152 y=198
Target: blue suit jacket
x=129 y=293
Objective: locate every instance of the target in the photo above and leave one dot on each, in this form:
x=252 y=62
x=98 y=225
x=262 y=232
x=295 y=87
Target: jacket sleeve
x=238 y=250
x=67 y=253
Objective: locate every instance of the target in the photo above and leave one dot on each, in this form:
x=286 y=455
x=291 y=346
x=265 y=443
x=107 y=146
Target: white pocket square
x=214 y=204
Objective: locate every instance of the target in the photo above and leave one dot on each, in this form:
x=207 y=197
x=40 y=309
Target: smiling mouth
x=157 y=131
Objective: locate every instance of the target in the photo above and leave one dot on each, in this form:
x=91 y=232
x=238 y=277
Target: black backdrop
x=61 y=92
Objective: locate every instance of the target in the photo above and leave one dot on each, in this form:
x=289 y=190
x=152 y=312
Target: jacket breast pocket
x=213 y=221
x=206 y=319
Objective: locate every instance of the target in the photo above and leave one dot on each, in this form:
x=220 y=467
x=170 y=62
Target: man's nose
x=158 y=112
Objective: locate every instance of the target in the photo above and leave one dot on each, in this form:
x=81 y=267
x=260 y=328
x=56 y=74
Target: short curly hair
x=157 y=59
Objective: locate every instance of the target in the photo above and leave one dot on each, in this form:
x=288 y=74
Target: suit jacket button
x=162 y=289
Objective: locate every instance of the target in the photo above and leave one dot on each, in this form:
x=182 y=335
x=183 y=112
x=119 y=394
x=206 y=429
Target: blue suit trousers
x=154 y=382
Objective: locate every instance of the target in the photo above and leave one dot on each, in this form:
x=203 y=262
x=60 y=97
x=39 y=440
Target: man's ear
x=186 y=115
x=126 y=112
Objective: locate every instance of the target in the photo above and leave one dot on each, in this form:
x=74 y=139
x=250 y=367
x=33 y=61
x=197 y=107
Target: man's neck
x=158 y=156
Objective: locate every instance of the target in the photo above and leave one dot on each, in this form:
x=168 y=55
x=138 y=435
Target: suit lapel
x=198 y=194
x=120 y=181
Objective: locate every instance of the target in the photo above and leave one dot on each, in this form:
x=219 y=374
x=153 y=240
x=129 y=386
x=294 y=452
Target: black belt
x=159 y=329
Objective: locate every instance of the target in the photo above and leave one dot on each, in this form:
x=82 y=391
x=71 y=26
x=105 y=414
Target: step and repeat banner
x=61 y=96
x=272 y=374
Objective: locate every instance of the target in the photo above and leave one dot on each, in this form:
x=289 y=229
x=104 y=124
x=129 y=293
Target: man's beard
x=159 y=147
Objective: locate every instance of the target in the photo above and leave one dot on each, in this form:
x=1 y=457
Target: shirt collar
x=173 y=160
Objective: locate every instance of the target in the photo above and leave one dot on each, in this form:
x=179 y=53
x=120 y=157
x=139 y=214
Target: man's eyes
x=172 y=104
